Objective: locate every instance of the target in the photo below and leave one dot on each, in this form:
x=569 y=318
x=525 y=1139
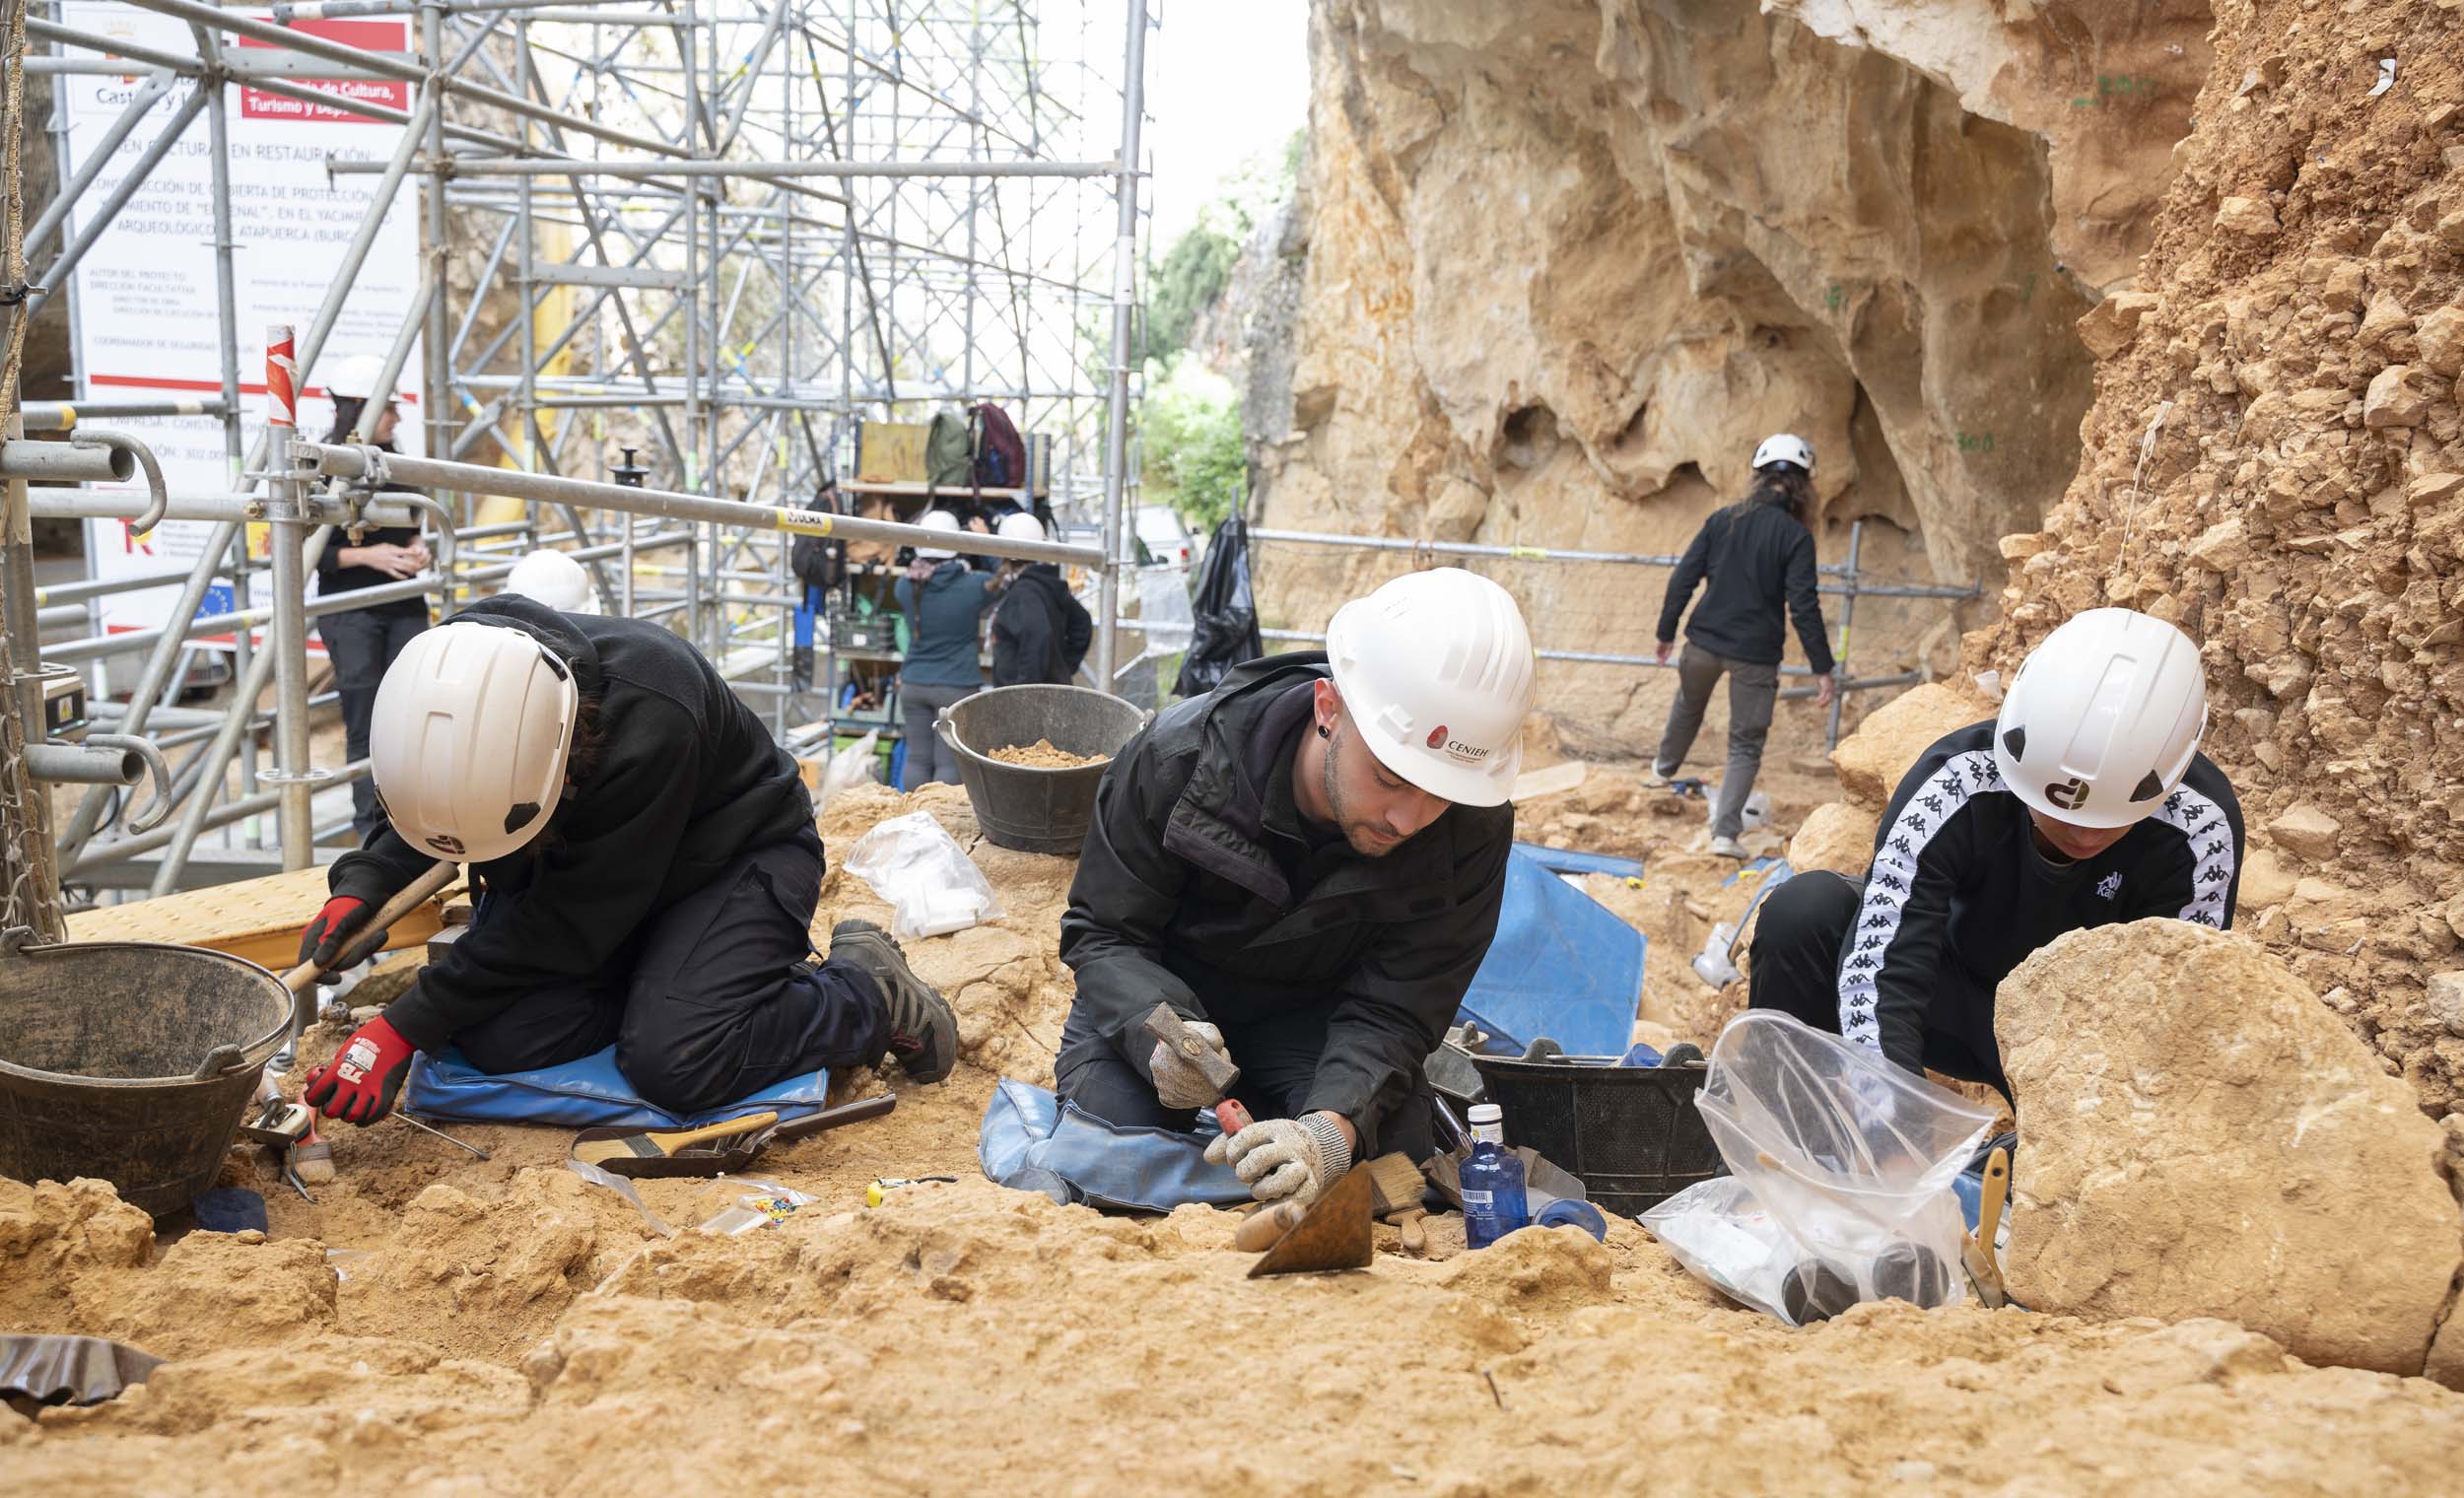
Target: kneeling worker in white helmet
x=1307 y=864
x=647 y=867
x=2085 y=803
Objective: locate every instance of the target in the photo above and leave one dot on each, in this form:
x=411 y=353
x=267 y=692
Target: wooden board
x=259 y=919
x=890 y=452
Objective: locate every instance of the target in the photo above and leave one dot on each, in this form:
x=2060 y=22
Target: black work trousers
x=710 y=1000
x=362 y=643
x=1797 y=949
x=1279 y=1060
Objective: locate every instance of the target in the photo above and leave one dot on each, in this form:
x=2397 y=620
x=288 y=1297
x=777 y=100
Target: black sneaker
x=923 y=1032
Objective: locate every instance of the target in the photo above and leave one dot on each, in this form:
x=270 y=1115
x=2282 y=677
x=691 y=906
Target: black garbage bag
x=1226 y=631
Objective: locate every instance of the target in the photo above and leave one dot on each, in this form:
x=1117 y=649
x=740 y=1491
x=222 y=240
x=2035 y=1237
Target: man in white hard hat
x=363 y=642
x=1758 y=558
x=2086 y=802
x=1307 y=864
x=648 y=869
x=1041 y=632
x=554 y=578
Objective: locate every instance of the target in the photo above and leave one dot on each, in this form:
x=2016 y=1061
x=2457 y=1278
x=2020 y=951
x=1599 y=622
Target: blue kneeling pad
x=588 y=1093
x=1033 y=1141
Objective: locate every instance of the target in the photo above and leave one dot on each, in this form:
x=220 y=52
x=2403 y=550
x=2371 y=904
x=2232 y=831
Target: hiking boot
x=1730 y=847
x=923 y=1031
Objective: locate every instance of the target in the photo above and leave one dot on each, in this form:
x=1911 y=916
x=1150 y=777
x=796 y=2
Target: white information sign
x=147 y=320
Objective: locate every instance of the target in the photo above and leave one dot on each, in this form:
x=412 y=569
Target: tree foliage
x=1191 y=430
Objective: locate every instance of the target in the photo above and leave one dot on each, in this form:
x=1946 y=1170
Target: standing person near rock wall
x=362 y=642
x=2085 y=803
x=1041 y=633
x=647 y=866
x=945 y=601
x=1306 y=864
x=1758 y=558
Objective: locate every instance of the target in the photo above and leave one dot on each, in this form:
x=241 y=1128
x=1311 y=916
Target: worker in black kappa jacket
x=1307 y=864
x=2086 y=802
x=648 y=869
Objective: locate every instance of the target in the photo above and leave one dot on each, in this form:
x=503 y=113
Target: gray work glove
x=1285 y=1157
x=1178 y=1081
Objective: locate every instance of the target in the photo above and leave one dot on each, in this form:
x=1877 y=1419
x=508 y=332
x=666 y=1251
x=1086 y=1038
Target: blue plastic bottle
x=1493 y=1204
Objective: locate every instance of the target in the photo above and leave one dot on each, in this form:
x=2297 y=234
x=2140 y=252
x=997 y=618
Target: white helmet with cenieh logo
x=468 y=739
x=2103 y=719
x=1436 y=668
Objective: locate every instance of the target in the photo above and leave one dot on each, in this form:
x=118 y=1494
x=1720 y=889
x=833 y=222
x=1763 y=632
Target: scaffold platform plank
x=259 y=919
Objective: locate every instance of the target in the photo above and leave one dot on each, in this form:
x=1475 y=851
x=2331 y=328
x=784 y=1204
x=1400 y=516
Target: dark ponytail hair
x=1781 y=484
x=347 y=410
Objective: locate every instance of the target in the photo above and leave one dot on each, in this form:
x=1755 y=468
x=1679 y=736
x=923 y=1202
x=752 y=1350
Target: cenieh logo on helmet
x=1455 y=748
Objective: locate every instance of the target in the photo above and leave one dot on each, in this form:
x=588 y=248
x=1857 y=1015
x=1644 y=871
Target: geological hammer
x=1168 y=1028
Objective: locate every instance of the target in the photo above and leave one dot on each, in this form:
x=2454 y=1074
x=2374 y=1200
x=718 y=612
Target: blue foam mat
x=588 y=1093
x=1562 y=966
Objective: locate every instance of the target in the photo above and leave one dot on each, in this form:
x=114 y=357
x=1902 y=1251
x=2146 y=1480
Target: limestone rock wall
x=1567 y=261
x=2275 y=459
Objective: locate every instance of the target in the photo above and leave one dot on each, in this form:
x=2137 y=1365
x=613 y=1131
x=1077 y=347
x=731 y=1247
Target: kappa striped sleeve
x=2214 y=858
x=1900 y=927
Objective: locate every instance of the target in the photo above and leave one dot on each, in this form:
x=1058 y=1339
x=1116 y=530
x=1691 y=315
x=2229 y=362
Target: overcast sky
x=1226 y=80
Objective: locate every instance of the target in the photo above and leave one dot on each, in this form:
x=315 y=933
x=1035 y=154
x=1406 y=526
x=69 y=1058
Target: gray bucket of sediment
x=1034 y=808
x=132 y=1062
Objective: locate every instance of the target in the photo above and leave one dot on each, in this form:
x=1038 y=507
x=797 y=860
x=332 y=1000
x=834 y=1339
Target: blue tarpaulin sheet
x=1032 y=1141
x=1563 y=966
x=590 y=1093
x=1565 y=860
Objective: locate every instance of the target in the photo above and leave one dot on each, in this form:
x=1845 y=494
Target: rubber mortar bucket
x=1629 y=1133
x=1033 y=809
x=131 y=1062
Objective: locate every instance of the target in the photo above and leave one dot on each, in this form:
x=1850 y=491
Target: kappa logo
x=2110 y=885
x=2068 y=794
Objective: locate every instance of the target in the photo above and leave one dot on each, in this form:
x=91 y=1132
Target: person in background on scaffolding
x=648 y=870
x=362 y=642
x=945 y=602
x=1757 y=557
x=1041 y=633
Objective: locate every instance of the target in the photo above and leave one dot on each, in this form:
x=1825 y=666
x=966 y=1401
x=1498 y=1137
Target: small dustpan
x=1332 y=1235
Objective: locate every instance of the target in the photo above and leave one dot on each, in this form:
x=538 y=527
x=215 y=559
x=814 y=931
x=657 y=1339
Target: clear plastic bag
x=767 y=1205
x=851 y=766
x=914 y=864
x=1840 y=1170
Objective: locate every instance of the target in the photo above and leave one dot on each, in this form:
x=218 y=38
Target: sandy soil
x=434 y=1325
x=1041 y=755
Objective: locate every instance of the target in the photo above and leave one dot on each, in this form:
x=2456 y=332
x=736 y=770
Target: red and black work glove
x=337 y=938
x=359 y=1084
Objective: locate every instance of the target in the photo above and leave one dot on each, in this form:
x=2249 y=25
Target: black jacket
x=1960 y=894
x=1200 y=886
x=1040 y=632
x=333 y=579
x=1759 y=557
x=687 y=779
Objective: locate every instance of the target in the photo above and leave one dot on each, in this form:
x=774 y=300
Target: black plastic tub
x=1031 y=808
x=1629 y=1133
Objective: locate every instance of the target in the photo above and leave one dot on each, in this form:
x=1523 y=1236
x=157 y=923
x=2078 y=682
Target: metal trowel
x=1333 y=1234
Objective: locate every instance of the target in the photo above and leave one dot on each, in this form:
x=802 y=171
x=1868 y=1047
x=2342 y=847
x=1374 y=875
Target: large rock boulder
x=1872 y=760
x=2203 y=1137
x=1837 y=836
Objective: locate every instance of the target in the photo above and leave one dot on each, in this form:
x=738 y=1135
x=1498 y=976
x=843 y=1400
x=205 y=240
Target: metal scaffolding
x=721 y=232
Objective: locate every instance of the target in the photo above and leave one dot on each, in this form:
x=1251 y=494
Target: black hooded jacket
x=686 y=779
x=1200 y=886
x=1040 y=632
x=1758 y=559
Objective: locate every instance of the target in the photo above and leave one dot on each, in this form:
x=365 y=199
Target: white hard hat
x=1019 y=525
x=550 y=576
x=1436 y=668
x=468 y=739
x=1784 y=448
x=937 y=520
x=354 y=376
x=2103 y=719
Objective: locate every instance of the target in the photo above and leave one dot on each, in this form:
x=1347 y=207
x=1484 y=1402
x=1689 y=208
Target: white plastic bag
x=1840 y=1169
x=914 y=864
x=851 y=766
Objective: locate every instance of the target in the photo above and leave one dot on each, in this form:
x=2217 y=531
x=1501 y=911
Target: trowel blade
x=1333 y=1234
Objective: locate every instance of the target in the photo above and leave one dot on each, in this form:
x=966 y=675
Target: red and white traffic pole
x=292 y=777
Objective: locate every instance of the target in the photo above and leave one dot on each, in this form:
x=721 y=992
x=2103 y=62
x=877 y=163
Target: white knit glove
x=1178 y=1081
x=1285 y=1157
